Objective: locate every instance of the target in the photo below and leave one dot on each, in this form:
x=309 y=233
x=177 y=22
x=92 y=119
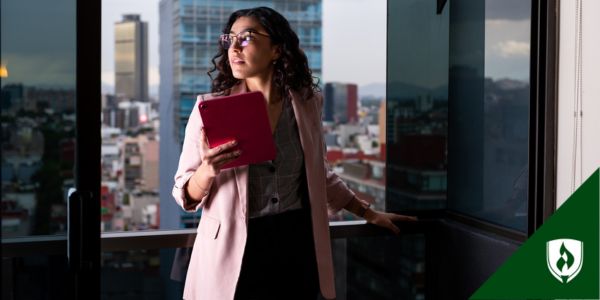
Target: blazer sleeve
x=338 y=193
x=189 y=161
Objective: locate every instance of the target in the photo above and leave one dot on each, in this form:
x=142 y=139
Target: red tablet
x=242 y=117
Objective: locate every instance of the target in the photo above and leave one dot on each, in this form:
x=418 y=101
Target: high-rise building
x=189 y=32
x=131 y=58
x=150 y=165
x=12 y=97
x=132 y=164
x=382 y=130
x=341 y=103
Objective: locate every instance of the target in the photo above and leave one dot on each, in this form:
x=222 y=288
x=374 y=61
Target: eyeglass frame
x=237 y=37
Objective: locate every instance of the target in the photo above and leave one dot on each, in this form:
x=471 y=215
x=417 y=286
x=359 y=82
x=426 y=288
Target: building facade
x=341 y=103
x=131 y=58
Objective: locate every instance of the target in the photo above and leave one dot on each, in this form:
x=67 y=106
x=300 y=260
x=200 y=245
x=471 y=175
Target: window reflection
x=38 y=116
x=458 y=109
x=489 y=99
x=417 y=107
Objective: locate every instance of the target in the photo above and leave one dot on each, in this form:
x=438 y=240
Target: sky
x=343 y=22
x=42 y=53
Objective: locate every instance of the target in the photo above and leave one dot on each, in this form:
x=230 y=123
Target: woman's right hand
x=212 y=162
x=214 y=159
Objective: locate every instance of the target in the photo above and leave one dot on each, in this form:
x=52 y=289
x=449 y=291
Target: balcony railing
x=180 y=238
x=369 y=261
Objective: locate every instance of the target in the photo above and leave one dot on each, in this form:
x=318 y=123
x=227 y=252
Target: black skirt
x=279 y=259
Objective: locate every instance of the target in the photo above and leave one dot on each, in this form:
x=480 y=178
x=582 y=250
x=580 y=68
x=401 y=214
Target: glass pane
x=143 y=274
x=353 y=58
x=417 y=106
x=365 y=267
x=489 y=110
x=380 y=267
x=130 y=143
x=36 y=277
x=38 y=115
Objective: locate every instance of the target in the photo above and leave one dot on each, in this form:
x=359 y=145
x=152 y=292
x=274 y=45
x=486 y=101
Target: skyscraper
x=340 y=103
x=189 y=32
x=131 y=58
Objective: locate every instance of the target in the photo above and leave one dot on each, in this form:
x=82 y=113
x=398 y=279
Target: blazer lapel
x=302 y=109
x=307 y=118
x=241 y=172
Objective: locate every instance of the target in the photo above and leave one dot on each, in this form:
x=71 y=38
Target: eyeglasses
x=243 y=38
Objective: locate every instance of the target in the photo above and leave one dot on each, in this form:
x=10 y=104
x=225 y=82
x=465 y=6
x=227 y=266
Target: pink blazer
x=221 y=235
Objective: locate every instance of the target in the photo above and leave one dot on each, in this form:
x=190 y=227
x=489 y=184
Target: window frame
x=543 y=74
x=543 y=112
x=83 y=233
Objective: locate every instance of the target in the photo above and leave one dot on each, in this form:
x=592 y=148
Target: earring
x=274 y=62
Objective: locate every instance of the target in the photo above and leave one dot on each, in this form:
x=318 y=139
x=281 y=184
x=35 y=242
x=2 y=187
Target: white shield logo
x=564 y=258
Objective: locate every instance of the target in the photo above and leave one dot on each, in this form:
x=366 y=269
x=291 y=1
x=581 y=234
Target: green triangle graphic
x=527 y=275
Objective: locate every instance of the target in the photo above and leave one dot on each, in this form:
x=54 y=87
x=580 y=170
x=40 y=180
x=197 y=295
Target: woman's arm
x=201 y=181
x=358 y=207
x=198 y=165
x=196 y=189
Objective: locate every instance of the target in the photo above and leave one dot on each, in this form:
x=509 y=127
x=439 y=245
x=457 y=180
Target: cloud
x=507 y=10
x=153 y=76
x=108 y=78
x=512 y=48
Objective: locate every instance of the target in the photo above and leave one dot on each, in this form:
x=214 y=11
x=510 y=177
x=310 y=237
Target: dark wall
x=461 y=258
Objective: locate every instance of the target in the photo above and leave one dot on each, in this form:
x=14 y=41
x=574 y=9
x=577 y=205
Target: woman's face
x=256 y=58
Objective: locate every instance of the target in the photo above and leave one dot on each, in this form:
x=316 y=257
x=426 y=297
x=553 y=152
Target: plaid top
x=274 y=186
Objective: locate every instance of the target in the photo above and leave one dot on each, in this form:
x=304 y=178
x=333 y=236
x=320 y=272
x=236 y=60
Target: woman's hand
x=212 y=162
x=386 y=220
x=214 y=159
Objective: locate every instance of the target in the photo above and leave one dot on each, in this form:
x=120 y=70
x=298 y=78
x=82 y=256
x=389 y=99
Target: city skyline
x=505 y=55
x=410 y=105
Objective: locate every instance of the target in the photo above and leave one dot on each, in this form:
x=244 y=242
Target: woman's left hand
x=386 y=220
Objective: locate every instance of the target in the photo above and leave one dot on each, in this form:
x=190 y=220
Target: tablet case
x=242 y=117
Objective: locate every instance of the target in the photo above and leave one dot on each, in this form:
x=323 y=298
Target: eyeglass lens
x=243 y=38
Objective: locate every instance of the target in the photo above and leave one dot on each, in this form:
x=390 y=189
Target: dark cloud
x=39 y=31
x=507 y=9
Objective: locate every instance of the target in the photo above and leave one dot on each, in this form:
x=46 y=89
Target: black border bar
x=543 y=112
x=86 y=270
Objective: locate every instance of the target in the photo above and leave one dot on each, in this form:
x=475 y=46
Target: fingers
x=203 y=140
x=216 y=151
x=218 y=156
x=394 y=228
x=225 y=158
x=397 y=217
x=389 y=219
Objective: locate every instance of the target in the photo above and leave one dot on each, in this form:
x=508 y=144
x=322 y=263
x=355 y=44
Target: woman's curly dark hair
x=291 y=69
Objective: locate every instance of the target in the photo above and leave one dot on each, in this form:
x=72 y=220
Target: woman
x=264 y=230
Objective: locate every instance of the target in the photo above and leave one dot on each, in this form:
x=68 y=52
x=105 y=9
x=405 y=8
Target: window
x=458 y=109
